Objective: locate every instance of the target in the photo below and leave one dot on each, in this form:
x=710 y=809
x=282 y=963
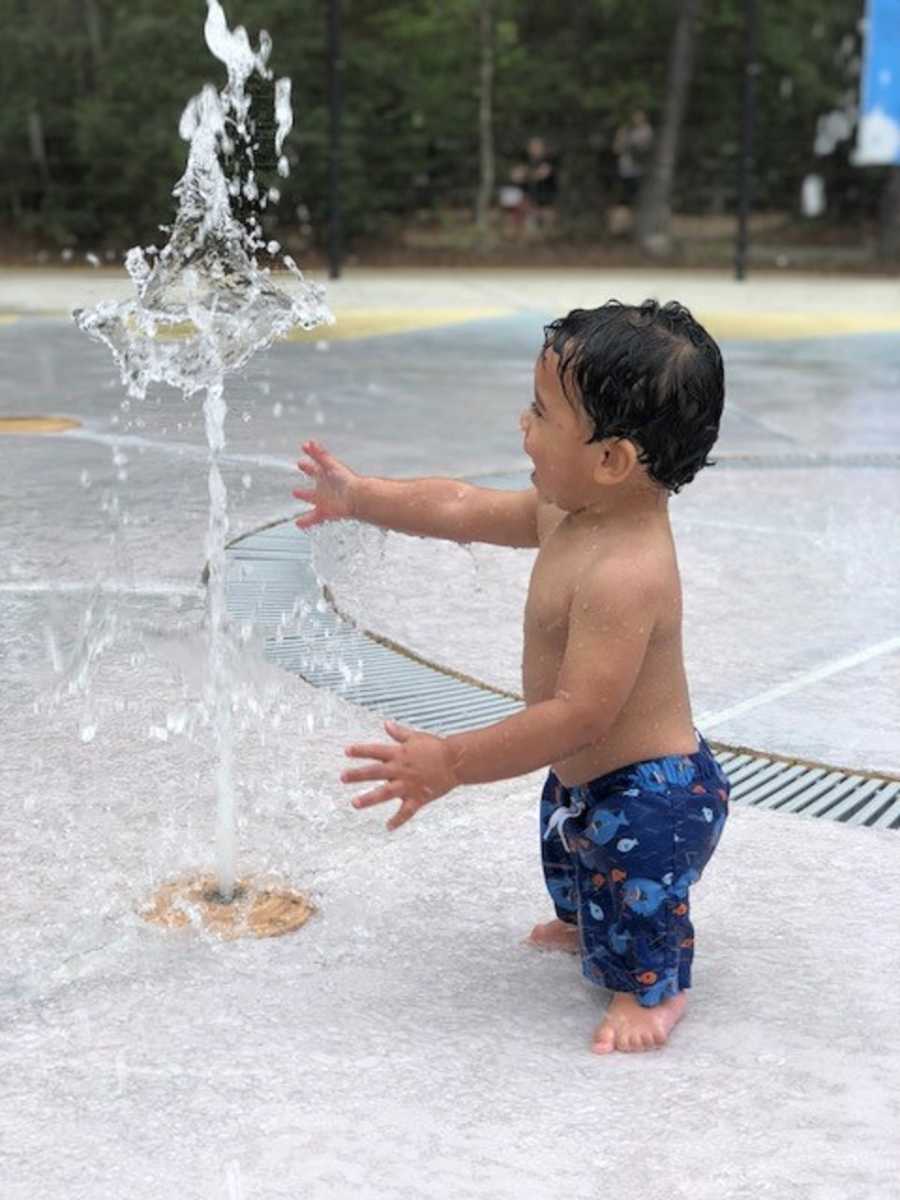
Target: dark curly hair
x=648 y=373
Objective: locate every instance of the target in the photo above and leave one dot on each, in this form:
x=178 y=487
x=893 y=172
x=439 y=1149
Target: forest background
x=439 y=100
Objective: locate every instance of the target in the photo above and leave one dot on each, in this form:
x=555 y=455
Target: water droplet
x=53 y=650
x=176 y=721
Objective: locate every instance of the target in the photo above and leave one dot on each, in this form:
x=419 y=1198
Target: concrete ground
x=405 y=1044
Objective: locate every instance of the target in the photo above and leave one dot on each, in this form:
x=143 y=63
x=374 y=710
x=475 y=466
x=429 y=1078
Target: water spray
x=204 y=307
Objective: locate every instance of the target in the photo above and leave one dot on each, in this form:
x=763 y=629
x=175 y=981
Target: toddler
x=627 y=404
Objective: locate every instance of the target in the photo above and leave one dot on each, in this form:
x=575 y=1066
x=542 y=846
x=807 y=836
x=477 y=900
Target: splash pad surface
x=405 y=1043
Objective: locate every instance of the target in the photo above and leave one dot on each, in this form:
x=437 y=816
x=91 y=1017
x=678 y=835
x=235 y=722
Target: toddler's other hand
x=418 y=770
x=332 y=492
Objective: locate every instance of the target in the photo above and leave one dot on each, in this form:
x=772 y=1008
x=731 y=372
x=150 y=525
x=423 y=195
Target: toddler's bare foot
x=628 y=1026
x=555 y=935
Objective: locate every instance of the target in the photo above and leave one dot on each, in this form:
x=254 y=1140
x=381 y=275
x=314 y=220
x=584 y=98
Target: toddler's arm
x=440 y=508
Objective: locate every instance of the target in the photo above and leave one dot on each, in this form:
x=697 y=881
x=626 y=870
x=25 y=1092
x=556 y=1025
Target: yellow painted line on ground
x=790 y=326
x=36 y=424
x=367 y=323
x=354 y=324
x=364 y=323
x=10 y=318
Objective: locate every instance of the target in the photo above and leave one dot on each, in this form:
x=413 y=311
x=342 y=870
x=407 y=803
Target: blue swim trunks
x=619 y=856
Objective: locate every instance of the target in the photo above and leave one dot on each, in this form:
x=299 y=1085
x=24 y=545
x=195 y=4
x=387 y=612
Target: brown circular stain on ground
x=37 y=424
x=257 y=910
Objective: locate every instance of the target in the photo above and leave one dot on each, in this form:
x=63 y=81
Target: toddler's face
x=556 y=438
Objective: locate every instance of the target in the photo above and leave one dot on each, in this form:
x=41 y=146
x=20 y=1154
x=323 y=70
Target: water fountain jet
x=204 y=307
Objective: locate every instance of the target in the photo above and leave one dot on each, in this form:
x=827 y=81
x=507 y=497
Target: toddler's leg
x=635 y=910
x=631 y=951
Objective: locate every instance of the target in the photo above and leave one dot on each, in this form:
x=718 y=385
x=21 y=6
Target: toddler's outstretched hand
x=332 y=490
x=418 y=769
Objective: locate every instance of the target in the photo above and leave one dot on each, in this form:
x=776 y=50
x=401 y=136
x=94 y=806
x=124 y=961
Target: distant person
x=627 y=404
x=541 y=184
x=514 y=202
x=632 y=146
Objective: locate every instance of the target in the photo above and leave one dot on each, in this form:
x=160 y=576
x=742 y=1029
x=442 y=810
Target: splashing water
x=204 y=293
x=205 y=307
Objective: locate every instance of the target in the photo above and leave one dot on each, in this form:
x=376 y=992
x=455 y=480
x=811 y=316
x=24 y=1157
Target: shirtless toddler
x=627 y=404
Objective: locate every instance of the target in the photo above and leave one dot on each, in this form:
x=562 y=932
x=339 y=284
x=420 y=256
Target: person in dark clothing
x=541 y=185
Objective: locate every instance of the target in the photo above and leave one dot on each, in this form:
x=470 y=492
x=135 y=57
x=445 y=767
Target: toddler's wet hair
x=649 y=373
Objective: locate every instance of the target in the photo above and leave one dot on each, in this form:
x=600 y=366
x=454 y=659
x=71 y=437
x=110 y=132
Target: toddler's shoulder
x=638 y=572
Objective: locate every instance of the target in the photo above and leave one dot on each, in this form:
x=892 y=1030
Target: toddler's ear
x=616 y=459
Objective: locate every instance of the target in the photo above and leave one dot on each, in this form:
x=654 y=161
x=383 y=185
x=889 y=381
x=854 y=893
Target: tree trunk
x=86 y=13
x=889 y=219
x=486 y=163
x=92 y=20
x=655 y=203
x=38 y=146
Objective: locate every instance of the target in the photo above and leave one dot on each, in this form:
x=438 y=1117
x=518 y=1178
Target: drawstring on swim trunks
x=563 y=813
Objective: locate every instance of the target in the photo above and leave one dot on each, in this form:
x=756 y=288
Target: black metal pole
x=748 y=123
x=335 y=111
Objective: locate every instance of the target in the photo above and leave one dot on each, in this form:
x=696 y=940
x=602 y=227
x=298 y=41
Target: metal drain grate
x=812 y=790
x=271 y=583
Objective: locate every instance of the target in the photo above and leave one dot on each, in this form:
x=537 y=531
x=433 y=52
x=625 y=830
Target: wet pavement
x=405 y=1044
x=789 y=546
